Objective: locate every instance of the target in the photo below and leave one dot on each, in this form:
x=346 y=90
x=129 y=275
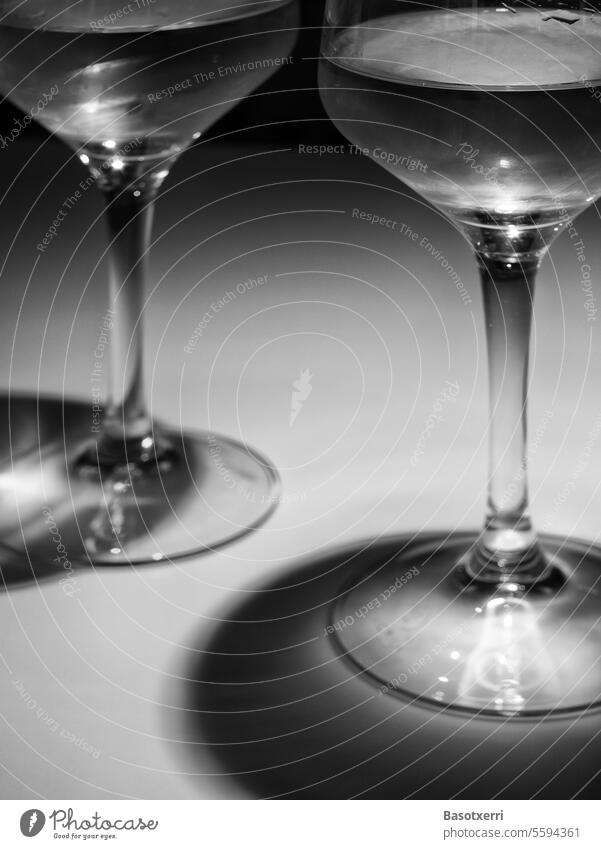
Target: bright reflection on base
x=419 y=626
x=510 y=661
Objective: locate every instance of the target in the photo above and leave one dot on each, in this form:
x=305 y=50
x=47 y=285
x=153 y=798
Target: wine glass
x=129 y=89
x=496 y=103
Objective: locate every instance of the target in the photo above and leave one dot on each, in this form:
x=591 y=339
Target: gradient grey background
x=381 y=327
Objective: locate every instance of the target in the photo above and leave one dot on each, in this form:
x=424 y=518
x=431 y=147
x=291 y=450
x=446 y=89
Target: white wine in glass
x=131 y=89
x=497 y=103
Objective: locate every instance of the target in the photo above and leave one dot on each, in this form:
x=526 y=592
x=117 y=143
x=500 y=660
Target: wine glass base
x=418 y=626
x=209 y=491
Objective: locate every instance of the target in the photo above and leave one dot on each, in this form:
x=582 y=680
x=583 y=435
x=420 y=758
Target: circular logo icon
x=32 y=822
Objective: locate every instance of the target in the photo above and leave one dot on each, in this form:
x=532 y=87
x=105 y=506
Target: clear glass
x=129 y=88
x=488 y=111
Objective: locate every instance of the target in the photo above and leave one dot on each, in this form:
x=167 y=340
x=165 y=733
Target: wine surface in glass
x=491 y=113
x=153 y=77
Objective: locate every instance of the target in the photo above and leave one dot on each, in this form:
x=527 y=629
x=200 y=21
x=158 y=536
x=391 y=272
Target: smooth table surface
x=380 y=326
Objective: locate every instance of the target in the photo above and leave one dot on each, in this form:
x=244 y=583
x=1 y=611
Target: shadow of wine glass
x=50 y=429
x=271 y=704
x=26 y=423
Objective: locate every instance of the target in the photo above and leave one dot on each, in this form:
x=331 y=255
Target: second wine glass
x=496 y=102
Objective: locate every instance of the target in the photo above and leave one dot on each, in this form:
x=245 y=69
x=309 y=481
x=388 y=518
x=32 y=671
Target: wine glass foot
x=204 y=491
x=419 y=625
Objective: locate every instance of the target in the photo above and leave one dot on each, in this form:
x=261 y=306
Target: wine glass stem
x=129 y=225
x=507 y=548
x=126 y=434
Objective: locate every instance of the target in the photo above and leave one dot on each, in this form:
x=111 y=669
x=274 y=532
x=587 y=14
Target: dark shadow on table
x=270 y=703
x=26 y=423
x=31 y=427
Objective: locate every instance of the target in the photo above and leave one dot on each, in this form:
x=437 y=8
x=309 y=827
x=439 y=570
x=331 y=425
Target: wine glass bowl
x=489 y=112
x=147 y=83
x=491 y=105
x=129 y=89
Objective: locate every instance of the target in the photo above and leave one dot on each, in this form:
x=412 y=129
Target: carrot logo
x=32 y=822
x=301 y=389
